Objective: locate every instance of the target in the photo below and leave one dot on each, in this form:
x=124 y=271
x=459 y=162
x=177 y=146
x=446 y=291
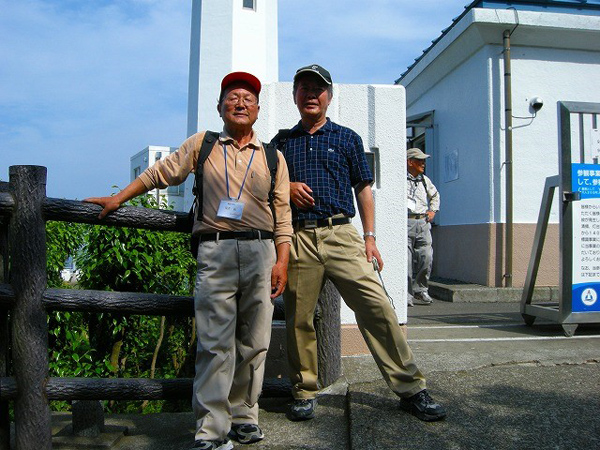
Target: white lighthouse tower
x=227 y=36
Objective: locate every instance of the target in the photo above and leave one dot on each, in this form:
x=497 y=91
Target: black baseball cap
x=316 y=69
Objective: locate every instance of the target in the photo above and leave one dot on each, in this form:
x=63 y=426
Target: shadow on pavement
x=523 y=407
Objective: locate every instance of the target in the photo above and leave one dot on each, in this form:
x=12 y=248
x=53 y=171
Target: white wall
x=377 y=114
x=461 y=103
x=555 y=75
x=148 y=157
x=254 y=34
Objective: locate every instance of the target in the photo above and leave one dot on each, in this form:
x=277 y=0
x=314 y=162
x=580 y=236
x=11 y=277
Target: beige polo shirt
x=175 y=168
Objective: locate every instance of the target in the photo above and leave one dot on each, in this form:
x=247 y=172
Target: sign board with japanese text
x=578 y=182
x=585 y=180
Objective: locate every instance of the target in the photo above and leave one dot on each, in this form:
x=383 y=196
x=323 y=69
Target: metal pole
x=27 y=238
x=508 y=167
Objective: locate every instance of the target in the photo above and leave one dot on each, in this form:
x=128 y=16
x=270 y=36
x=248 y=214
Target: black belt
x=240 y=235
x=306 y=224
x=417 y=216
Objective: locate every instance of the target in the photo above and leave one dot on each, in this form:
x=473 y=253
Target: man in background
x=423 y=203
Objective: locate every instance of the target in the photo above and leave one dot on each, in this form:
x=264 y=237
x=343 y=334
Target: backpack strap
x=277 y=143
x=271 y=155
x=210 y=138
x=281 y=138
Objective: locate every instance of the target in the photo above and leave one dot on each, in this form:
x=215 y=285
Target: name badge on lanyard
x=231 y=208
x=412 y=204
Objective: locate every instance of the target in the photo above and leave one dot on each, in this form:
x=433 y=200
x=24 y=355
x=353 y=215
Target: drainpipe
x=508 y=167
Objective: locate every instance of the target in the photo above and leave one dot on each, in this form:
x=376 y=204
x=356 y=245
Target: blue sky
x=84 y=85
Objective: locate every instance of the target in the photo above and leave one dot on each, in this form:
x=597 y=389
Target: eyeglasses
x=236 y=99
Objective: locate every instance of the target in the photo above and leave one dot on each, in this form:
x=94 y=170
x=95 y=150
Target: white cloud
x=85 y=81
x=86 y=84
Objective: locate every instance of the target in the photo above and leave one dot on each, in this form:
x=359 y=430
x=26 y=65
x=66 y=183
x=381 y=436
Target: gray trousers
x=234 y=312
x=420 y=255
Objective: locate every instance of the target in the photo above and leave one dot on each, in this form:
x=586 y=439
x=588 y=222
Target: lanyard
x=416 y=180
x=227 y=175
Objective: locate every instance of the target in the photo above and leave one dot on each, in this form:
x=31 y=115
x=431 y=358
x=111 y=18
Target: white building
x=455 y=109
x=173 y=195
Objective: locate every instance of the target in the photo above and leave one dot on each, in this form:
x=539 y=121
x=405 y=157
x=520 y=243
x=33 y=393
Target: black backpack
x=210 y=139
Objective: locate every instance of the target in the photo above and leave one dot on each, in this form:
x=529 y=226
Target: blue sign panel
x=586 y=180
x=585 y=297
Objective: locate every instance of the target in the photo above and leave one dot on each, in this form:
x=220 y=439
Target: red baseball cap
x=243 y=77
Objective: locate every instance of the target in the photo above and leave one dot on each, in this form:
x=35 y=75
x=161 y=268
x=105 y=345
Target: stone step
x=456 y=291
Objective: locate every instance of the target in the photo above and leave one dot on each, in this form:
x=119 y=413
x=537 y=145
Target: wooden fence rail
x=25 y=301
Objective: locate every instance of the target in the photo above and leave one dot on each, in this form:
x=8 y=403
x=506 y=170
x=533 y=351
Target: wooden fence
x=25 y=301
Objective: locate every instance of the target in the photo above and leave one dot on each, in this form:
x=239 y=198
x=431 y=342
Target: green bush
x=113 y=345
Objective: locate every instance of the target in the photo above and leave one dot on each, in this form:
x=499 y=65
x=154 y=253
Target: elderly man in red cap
x=243 y=225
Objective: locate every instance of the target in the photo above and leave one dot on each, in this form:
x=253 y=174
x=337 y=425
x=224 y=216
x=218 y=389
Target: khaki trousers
x=338 y=253
x=233 y=319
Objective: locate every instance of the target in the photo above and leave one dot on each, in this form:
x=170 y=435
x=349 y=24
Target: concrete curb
x=452 y=291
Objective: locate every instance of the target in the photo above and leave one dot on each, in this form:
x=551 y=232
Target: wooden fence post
x=328 y=330
x=4 y=334
x=27 y=235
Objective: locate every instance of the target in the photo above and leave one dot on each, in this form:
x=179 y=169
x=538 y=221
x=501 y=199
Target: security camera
x=536 y=103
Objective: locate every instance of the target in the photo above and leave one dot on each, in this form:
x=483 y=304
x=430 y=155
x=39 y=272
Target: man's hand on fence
x=109 y=204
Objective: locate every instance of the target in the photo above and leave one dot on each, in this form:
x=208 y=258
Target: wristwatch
x=369 y=233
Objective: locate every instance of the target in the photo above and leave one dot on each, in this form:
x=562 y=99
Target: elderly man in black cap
x=423 y=202
x=327 y=164
x=244 y=232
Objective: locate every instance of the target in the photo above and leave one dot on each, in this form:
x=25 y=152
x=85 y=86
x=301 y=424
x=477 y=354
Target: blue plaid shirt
x=330 y=162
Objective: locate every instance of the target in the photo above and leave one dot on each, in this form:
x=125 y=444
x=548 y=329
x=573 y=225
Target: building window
x=373 y=162
x=136 y=172
x=250 y=4
x=176 y=190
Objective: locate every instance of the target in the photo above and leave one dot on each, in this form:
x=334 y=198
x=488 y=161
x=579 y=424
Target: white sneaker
x=424 y=298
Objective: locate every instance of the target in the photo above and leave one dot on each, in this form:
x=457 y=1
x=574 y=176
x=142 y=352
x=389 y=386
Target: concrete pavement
x=505 y=386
